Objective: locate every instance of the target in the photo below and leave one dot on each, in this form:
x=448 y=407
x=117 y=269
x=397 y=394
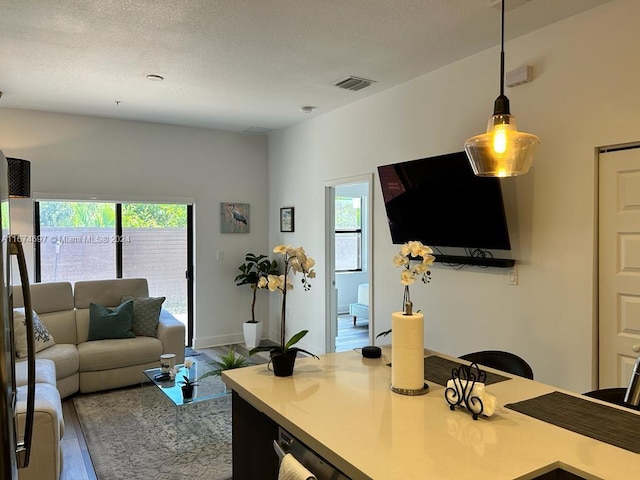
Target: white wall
x=88 y=156
x=583 y=96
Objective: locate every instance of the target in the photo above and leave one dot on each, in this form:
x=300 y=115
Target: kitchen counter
x=342 y=408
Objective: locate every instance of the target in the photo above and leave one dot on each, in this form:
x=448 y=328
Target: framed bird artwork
x=286 y=219
x=234 y=217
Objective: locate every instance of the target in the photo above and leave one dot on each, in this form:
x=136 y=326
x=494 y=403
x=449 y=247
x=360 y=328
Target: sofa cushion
x=117 y=353
x=146 y=314
x=108 y=292
x=43 y=339
x=105 y=322
x=46 y=297
x=65 y=356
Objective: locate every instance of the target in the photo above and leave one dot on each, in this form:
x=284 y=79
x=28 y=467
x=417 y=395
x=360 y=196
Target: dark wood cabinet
x=252 y=444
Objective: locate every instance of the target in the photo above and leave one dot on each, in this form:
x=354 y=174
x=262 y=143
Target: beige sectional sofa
x=74 y=364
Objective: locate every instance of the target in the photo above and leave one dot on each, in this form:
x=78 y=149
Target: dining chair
x=611 y=395
x=500 y=360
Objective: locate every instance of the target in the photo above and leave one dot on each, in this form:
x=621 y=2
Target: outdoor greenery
x=347 y=215
x=98 y=214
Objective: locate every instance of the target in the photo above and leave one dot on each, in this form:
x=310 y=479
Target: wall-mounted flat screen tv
x=440 y=202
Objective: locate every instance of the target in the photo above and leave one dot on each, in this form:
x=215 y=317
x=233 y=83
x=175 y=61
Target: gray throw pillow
x=146 y=314
x=43 y=339
x=107 y=322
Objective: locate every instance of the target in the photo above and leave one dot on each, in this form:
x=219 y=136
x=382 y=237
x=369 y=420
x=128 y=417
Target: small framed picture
x=286 y=219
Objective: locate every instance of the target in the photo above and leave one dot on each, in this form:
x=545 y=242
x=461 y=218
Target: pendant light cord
x=501 y=105
x=502 y=52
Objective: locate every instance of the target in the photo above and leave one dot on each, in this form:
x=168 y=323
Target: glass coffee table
x=208 y=388
x=186 y=411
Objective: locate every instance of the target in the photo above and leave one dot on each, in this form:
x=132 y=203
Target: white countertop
x=341 y=407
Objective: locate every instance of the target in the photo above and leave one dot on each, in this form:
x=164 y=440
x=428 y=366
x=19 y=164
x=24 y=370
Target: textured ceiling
x=238 y=65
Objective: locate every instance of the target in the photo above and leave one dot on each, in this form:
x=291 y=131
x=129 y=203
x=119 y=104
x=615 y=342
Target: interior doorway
x=349 y=322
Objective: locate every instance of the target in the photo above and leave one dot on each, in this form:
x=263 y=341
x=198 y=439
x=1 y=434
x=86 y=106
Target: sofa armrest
x=45 y=372
x=171 y=332
x=48 y=429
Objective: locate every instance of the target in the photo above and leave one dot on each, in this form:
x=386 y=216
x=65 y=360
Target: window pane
x=155 y=248
x=348 y=213
x=348 y=251
x=77 y=241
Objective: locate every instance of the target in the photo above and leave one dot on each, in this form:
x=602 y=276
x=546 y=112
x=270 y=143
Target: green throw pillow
x=107 y=322
x=146 y=314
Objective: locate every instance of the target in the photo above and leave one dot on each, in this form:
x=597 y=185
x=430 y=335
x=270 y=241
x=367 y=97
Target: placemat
x=438 y=370
x=601 y=422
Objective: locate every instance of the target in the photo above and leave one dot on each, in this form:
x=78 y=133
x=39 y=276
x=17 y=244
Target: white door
x=619 y=265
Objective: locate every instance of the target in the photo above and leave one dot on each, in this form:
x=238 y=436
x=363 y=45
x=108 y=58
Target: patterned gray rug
x=134 y=433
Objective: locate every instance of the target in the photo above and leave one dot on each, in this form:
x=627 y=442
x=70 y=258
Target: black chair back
x=505 y=361
x=611 y=395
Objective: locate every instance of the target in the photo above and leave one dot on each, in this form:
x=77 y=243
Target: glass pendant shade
x=503 y=151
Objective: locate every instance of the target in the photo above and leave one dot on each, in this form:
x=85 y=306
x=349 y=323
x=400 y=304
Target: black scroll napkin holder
x=460 y=395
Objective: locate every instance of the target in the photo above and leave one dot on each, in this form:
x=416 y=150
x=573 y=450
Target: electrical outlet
x=219 y=255
x=513 y=276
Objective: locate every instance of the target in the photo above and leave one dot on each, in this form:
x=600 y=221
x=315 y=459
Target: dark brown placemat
x=607 y=424
x=438 y=370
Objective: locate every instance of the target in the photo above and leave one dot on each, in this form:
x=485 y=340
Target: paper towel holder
x=411 y=393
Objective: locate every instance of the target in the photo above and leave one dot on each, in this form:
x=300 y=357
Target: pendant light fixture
x=502 y=151
x=19 y=178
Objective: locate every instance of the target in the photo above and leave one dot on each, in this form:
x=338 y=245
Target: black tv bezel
x=485 y=189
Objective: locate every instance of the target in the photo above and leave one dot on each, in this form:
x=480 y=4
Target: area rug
x=134 y=433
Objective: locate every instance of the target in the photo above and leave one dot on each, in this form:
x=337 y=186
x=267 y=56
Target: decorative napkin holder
x=466 y=389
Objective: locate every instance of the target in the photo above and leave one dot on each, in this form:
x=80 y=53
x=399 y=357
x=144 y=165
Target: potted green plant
x=252 y=270
x=228 y=361
x=283 y=356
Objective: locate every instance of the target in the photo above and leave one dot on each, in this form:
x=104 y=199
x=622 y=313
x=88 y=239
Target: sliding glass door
x=156 y=249
x=100 y=240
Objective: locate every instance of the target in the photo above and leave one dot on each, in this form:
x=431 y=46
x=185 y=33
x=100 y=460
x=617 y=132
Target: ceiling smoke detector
x=307 y=109
x=354 y=83
x=155 y=78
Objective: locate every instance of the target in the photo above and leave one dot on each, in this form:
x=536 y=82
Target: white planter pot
x=252 y=334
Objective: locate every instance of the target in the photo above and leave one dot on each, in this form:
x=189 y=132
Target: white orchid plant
x=176 y=370
x=415 y=259
x=295 y=261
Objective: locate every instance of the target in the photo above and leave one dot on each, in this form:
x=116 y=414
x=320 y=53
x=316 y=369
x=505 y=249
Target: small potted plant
x=283 y=356
x=254 y=268
x=228 y=361
x=187 y=388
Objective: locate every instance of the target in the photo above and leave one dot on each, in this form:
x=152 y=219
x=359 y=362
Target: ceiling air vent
x=258 y=130
x=354 y=83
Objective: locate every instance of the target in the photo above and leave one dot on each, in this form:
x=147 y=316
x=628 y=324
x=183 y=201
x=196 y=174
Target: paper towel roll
x=407 y=351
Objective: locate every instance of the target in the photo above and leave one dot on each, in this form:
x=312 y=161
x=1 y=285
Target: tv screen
x=440 y=202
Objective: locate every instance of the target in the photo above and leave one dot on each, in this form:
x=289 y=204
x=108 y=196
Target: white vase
x=252 y=333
